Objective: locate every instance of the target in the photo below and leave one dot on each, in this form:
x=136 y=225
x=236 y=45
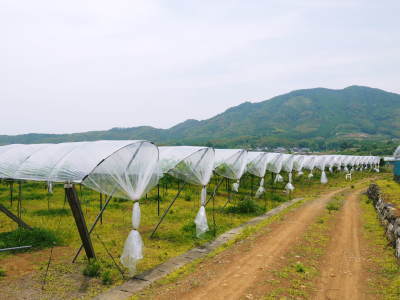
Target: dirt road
x=341 y=277
x=240 y=269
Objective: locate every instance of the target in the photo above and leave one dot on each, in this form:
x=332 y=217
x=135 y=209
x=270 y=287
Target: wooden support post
x=15 y=218
x=77 y=212
x=95 y=223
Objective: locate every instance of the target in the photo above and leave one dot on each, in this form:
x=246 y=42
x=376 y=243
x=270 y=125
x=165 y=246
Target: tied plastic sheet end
x=289 y=186
x=235 y=186
x=133 y=248
x=278 y=178
x=261 y=189
x=324 y=178
x=133 y=251
x=201 y=222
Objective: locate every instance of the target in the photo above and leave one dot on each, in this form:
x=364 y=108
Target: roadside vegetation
x=383 y=267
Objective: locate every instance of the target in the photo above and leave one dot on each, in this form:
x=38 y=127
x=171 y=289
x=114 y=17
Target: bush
x=334 y=205
x=245 y=206
x=106 y=278
x=188 y=198
x=300 y=268
x=92 y=269
x=277 y=198
x=2 y=273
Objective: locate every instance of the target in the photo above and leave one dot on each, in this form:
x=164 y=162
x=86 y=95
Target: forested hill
x=310 y=117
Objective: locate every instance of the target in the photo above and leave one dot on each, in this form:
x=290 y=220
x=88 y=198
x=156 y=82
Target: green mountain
x=318 y=118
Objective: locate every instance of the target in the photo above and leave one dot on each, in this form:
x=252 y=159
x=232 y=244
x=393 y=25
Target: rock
x=398 y=248
x=390 y=234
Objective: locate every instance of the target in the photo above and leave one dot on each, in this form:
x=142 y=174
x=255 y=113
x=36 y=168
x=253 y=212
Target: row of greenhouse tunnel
x=130 y=169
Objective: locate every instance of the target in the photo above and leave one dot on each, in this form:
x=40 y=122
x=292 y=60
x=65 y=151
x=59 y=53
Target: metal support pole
x=11 y=192
x=19 y=207
x=215 y=191
x=158 y=200
x=101 y=208
x=167 y=210
x=252 y=182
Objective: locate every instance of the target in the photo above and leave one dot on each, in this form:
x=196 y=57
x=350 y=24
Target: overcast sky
x=71 y=66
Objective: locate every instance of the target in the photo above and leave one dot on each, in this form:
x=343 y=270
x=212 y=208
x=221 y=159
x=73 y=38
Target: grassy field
x=390 y=190
x=54 y=225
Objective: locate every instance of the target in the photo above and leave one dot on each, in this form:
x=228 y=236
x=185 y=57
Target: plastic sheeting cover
x=230 y=163
x=190 y=164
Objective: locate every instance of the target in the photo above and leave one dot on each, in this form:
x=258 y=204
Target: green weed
x=92 y=269
x=38 y=238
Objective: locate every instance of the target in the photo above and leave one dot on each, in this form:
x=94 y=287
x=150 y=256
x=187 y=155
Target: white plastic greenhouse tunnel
x=257 y=166
x=192 y=165
x=130 y=169
x=231 y=164
x=124 y=169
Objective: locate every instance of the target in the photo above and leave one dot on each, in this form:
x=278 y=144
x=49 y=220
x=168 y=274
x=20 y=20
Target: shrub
x=334 y=205
x=300 y=268
x=92 y=269
x=245 y=206
x=277 y=198
x=2 y=273
x=188 y=198
x=106 y=278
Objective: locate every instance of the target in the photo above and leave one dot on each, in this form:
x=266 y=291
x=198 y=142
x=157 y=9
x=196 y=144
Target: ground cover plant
x=383 y=268
x=175 y=236
x=390 y=190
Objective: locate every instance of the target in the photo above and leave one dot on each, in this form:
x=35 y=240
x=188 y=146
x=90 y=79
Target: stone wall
x=389 y=216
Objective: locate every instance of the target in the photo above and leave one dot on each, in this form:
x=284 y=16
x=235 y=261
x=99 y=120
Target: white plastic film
x=136 y=216
x=133 y=248
x=257 y=163
x=230 y=163
x=278 y=178
x=193 y=165
x=49 y=187
x=235 y=186
x=201 y=222
x=133 y=251
x=289 y=186
x=324 y=178
x=261 y=189
x=311 y=175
